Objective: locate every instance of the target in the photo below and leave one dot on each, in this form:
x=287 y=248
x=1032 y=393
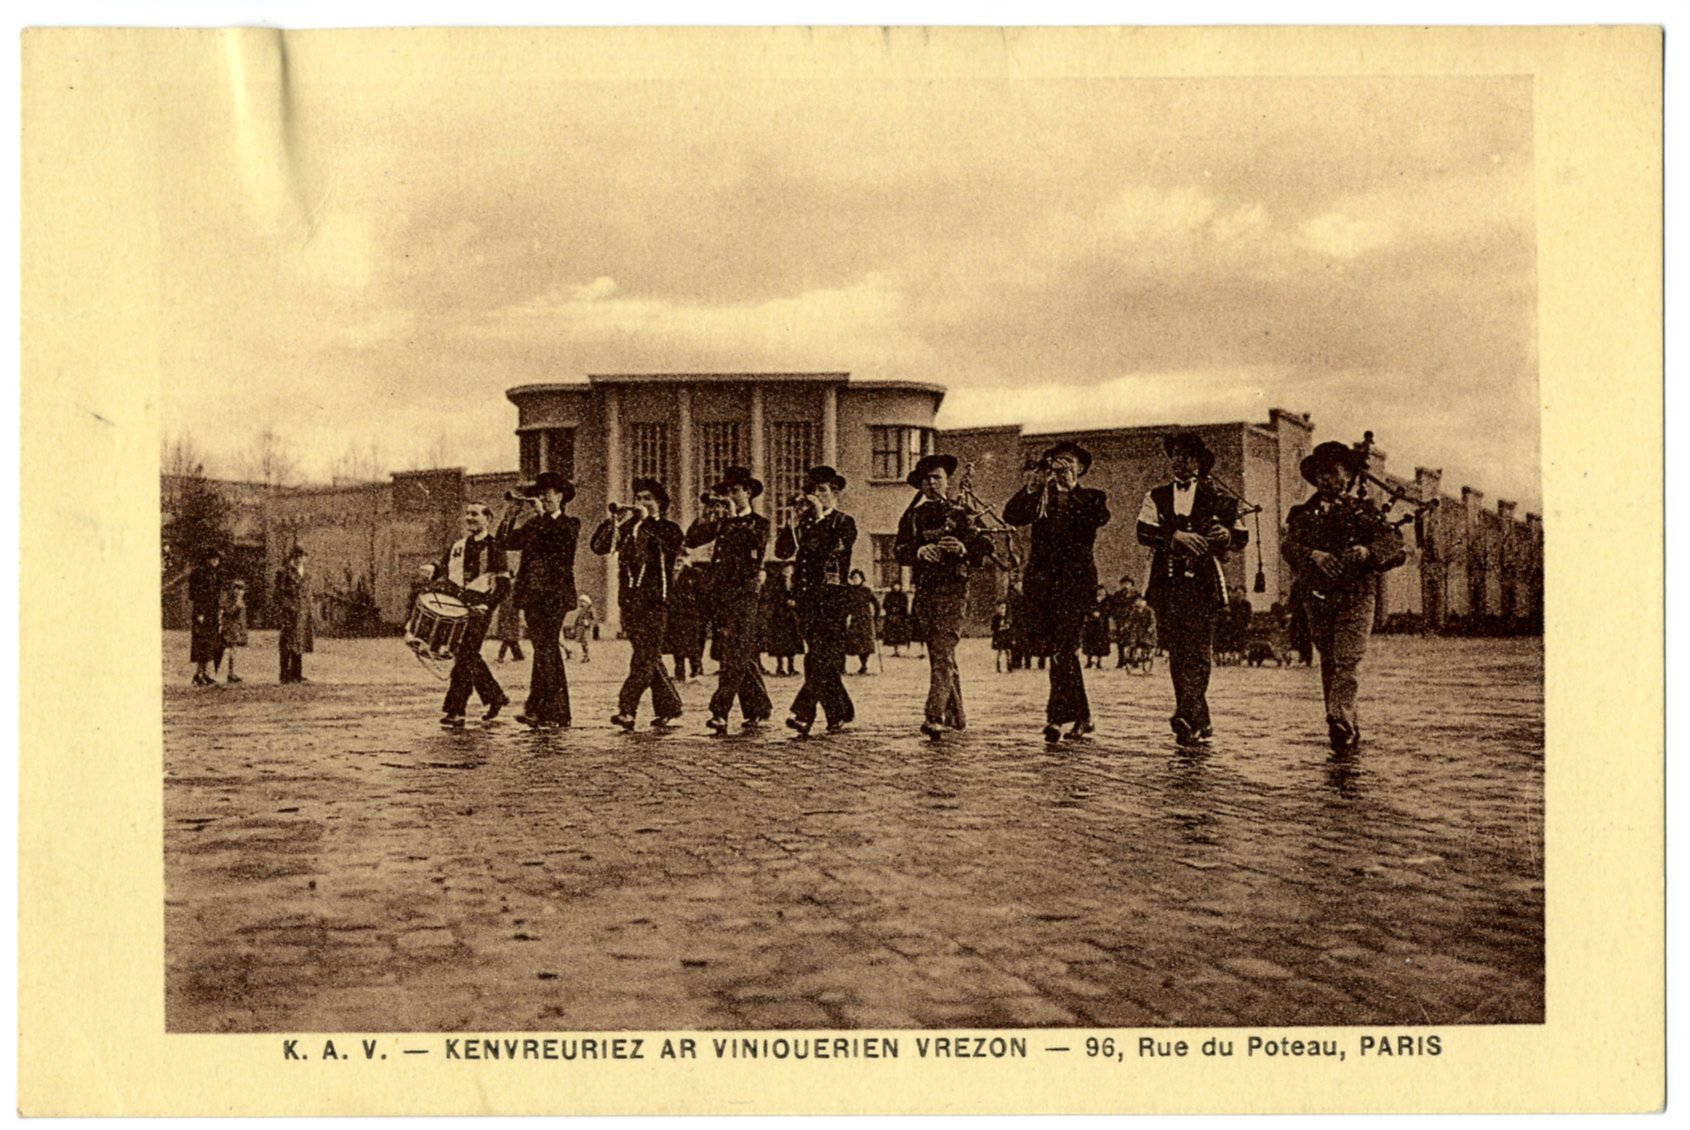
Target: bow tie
x=1186 y=485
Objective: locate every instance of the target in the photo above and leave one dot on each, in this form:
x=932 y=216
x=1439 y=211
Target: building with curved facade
x=685 y=428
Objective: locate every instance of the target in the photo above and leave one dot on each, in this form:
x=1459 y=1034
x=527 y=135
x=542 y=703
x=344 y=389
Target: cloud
x=1345 y=237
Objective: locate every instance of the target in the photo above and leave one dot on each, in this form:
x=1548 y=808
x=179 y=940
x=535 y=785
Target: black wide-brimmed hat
x=1067 y=447
x=549 y=480
x=926 y=464
x=1329 y=454
x=824 y=474
x=1191 y=442
x=657 y=491
x=738 y=477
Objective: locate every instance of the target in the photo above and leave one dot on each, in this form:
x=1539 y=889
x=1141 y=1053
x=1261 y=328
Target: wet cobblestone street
x=335 y=861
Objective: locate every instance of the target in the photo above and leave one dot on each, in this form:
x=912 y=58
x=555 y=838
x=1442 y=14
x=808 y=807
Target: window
x=896 y=448
x=792 y=451
x=887 y=572
x=548 y=449
x=648 y=455
x=718 y=449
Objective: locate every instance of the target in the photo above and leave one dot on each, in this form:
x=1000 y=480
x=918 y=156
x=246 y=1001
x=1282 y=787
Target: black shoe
x=835 y=727
x=626 y=721
x=493 y=709
x=1053 y=734
x=755 y=722
x=1206 y=735
x=662 y=722
x=799 y=726
x=1080 y=731
x=452 y=721
x=933 y=730
x=234 y=678
x=1342 y=736
x=716 y=725
x=1184 y=733
x=529 y=720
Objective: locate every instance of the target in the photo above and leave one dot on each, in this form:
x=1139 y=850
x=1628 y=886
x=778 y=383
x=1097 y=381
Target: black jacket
x=1333 y=524
x=1062 y=561
x=822 y=548
x=1209 y=508
x=645 y=559
x=736 y=561
x=930 y=520
x=545 y=581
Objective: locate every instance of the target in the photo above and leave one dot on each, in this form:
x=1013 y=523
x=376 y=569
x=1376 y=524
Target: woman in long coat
x=896 y=631
x=293 y=616
x=781 y=638
x=859 y=628
x=683 y=635
x=1094 y=634
x=205 y=600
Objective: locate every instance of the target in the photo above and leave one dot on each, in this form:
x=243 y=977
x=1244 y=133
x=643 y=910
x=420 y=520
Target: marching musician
x=646 y=544
x=741 y=537
x=536 y=526
x=938 y=541
x=475 y=572
x=821 y=541
x=1192 y=526
x=1061 y=576
x=1338 y=544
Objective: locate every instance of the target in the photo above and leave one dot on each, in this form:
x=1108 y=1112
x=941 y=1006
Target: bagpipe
x=1361 y=478
x=1334 y=530
x=970 y=518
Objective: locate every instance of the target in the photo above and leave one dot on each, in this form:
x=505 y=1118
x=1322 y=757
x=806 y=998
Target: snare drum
x=437 y=625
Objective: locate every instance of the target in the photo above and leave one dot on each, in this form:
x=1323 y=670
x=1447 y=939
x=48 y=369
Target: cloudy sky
x=369 y=264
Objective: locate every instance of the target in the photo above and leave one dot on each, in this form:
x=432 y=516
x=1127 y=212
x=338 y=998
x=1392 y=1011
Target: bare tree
x=271 y=460
x=179 y=457
x=358 y=464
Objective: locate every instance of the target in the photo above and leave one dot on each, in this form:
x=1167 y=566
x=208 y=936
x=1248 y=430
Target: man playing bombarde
x=646 y=544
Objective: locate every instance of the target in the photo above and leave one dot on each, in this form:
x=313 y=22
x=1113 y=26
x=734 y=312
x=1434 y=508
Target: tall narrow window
x=648 y=455
x=895 y=449
x=528 y=454
x=560 y=451
x=792 y=451
x=718 y=447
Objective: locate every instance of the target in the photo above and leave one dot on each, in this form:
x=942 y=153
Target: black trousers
x=470 y=671
x=823 y=618
x=293 y=666
x=739 y=639
x=1060 y=616
x=548 y=686
x=645 y=627
x=1185 y=619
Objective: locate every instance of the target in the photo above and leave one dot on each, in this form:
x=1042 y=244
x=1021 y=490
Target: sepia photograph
x=1024 y=553
x=848 y=544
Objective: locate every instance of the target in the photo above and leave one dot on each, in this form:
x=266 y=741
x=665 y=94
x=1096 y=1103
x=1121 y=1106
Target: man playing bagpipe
x=1192 y=526
x=939 y=541
x=1338 y=544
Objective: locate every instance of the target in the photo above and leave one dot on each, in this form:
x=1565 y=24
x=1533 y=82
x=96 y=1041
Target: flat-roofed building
x=686 y=428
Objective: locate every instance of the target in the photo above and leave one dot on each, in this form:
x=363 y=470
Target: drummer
x=474 y=571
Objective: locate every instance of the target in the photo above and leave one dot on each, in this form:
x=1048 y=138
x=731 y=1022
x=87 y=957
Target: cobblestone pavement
x=336 y=862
